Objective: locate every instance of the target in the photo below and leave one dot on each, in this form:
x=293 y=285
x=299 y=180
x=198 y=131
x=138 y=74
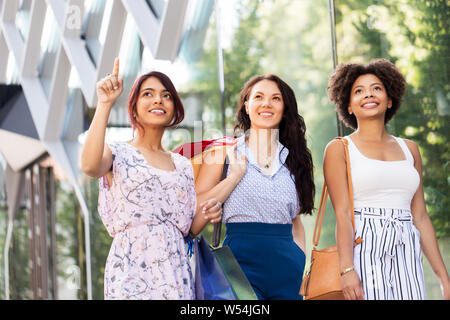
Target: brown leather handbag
x=323 y=280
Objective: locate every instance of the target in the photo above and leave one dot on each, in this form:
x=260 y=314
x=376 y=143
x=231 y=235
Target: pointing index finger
x=116 y=67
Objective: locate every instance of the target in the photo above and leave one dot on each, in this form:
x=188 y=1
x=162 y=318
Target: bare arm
x=208 y=184
x=335 y=173
x=423 y=223
x=96 y=157
x=298 y=232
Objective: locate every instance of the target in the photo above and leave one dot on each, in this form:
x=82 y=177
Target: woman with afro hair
x=389 y=207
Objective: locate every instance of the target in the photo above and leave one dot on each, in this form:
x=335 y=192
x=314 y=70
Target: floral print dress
x=148 y=211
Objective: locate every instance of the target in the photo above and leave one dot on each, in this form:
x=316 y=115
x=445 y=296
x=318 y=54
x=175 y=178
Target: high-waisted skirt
x=269 y=257
x=388 y=261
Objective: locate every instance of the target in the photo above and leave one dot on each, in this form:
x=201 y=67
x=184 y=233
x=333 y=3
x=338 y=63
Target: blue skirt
x=269 y=257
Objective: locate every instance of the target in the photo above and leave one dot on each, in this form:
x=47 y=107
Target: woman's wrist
x=192 y=235
x=104 y=105
x=234 y=178
x=347 y=270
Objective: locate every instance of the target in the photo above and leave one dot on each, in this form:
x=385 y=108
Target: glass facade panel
x=157 y=7
x=23 y=18
x=12 y=72
x=94 y=26
x=130 y=56
x=50 y=42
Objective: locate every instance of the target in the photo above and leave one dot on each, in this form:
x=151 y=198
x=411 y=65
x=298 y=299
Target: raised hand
x=110 y=87
x=238 y=167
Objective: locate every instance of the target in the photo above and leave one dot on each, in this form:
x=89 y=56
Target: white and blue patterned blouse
x=259 y=197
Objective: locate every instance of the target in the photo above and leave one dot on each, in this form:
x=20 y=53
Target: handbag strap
x=324 y=197
x=217 y=232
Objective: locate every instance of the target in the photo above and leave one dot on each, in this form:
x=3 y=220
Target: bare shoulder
x=334 y=148
x=412 y=146
x=414 y=149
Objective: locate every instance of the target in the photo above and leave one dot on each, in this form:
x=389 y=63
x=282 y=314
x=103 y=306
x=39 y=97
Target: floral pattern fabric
x=148 y=211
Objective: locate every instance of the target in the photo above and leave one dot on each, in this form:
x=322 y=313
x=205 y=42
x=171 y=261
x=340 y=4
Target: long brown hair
x=167 y=83
x=292 y=131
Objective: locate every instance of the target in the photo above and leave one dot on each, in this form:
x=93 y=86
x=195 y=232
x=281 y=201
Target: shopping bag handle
x=217 y=232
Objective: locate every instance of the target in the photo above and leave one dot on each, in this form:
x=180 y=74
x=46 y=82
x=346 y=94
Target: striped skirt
x=389 y=260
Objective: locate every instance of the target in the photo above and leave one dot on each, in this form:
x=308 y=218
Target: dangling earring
x=349 y=110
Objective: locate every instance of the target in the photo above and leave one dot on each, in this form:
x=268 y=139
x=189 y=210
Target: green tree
x=100 y=240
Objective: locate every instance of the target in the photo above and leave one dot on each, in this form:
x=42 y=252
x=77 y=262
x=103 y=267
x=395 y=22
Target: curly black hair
x=292 y=135
x=341 y=82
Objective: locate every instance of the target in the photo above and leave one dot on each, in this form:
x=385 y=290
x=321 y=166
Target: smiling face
x=154 y=106
x=368 y=98
x=265 y=105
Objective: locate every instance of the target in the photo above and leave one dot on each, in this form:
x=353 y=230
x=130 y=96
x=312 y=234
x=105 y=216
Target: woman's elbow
x=89 y=172
x=88 y=169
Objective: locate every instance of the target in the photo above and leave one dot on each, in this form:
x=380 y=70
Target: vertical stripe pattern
x=389 y=260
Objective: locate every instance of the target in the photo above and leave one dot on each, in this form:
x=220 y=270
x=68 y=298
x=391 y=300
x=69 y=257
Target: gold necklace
x=267 y=165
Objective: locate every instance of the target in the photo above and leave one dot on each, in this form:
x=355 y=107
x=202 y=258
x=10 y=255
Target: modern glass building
x=52 y=53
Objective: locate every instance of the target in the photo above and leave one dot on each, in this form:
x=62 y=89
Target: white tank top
x=383 y=184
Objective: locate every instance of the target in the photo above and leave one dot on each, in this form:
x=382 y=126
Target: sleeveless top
x=383 y=184
x=259 y=197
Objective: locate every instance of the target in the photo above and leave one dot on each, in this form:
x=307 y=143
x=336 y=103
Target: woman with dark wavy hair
x=146 y=195
x=389 y=206
x=269 y=183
